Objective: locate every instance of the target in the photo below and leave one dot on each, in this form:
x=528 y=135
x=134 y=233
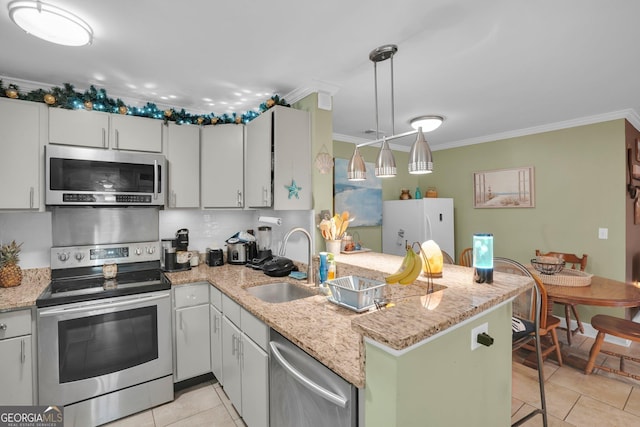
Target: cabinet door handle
x=23 y=356
x=216 y=327
x=156 y=188
x=104 y=138
x=241 y=353
x=239 y=198
x=117 y=139
x=31 y=197
x=3 y=326
x=233 y=344
x=265 y=196
x=181 y=326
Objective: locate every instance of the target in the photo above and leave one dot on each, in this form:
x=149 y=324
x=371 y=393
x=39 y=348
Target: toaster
x=214 y=257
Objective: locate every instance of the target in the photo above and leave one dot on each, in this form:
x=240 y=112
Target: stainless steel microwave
x=96 y=177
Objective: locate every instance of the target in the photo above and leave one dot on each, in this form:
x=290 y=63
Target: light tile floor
x=573 y=399
x=202 y=405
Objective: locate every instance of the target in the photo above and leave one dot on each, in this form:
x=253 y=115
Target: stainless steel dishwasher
x=305 y=393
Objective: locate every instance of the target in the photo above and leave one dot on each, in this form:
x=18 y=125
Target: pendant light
x=420 y=159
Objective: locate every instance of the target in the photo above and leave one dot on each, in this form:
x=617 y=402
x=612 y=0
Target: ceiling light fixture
x=420 y=160
x=427 y=123
x=50 y=23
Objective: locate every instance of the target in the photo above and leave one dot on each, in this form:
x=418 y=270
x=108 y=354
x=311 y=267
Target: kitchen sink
x=280 y=292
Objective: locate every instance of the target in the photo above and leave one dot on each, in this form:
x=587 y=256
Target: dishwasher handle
x=315 y=388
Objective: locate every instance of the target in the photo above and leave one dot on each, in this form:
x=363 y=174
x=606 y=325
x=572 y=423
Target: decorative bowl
x=548 y=265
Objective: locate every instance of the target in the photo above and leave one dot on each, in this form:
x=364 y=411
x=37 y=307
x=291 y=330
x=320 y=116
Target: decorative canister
x=405 y=194
x=431 y=192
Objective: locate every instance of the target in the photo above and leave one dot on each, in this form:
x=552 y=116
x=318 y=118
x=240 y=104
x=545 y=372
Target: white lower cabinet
x=15 y=353
x=215 y=317
x=192 y=335
x=245 y=363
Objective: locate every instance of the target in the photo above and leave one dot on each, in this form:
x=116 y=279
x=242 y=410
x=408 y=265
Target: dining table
x=600 y=292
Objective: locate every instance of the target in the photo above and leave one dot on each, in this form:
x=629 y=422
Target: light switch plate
x=603 y=233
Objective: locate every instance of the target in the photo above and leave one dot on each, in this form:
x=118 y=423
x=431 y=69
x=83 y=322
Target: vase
x=333 y=246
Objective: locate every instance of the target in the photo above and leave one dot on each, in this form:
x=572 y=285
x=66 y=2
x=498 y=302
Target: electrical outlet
x=603 y=233
x=477 y=331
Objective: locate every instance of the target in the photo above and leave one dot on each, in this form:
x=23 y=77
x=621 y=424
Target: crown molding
x=630 y=115
x=312 y=87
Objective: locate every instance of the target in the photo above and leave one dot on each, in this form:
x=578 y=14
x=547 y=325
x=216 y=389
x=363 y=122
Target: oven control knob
x=63 y=256
x=151 y=250
x=138 y=251
x=79 y=256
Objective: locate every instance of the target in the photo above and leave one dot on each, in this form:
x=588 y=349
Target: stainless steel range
x=104 y=332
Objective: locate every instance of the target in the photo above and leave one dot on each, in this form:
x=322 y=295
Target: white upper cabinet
x=20 y=161
x=183 y=158
x=292 y=159
x=104 y=130
x=78 y=127
x=221 y=166
x=278 y=160
x=136 y=133
x=258 y=161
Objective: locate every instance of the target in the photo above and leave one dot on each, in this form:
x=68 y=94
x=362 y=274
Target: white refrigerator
x=417 y=221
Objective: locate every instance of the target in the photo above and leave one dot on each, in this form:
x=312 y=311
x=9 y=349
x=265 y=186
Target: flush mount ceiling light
x=420 y=160
x=50 y=23
x=427 y=123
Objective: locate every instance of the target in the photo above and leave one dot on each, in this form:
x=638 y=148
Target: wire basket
x=548 y=266
x=356 y=292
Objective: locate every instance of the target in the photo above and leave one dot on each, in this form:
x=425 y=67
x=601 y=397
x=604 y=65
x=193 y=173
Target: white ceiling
x=492 y=68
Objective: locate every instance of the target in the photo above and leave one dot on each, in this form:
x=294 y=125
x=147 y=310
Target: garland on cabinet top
x=97 y=99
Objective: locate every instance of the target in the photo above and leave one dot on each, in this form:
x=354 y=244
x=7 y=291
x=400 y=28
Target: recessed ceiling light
x=50 y=23
x=427 y=123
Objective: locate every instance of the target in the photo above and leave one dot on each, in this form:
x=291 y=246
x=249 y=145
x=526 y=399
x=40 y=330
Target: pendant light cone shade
x=386 y=163
x=420 y=160
x=356 y=170
x=50 y=23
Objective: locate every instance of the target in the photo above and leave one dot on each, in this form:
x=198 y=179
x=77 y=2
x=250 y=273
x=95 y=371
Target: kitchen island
x=414 y=359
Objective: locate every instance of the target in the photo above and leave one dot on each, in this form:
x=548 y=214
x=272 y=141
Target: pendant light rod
x=388 y=138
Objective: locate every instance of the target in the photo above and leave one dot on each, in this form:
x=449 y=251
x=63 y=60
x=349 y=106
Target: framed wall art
x=363 y=199
x=504 y=188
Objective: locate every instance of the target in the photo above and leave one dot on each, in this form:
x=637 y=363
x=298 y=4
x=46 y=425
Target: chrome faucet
x=284 y=247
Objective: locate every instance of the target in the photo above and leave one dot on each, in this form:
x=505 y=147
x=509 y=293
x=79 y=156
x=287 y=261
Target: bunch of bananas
x=408 y=271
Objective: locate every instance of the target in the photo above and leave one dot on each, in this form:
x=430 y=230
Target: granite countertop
x=334 y=335
x=34 y=281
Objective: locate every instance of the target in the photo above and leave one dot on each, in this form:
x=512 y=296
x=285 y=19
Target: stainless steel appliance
x=236 y=251
x=95 y=177
x=305 y=393
x=104 y=332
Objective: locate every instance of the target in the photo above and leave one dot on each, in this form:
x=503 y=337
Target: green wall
x=321 y=138
x=579 y=187
x=443 y=382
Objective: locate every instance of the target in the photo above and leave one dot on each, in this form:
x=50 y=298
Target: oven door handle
x=100 y=305
x=315 y=388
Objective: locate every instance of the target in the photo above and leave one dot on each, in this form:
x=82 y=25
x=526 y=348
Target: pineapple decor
x=10 y=272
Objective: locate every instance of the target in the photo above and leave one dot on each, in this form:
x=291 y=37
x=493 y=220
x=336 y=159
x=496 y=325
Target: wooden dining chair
x=466 y=258
x=526 y=321
x=576 y=263
x=446 y=258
